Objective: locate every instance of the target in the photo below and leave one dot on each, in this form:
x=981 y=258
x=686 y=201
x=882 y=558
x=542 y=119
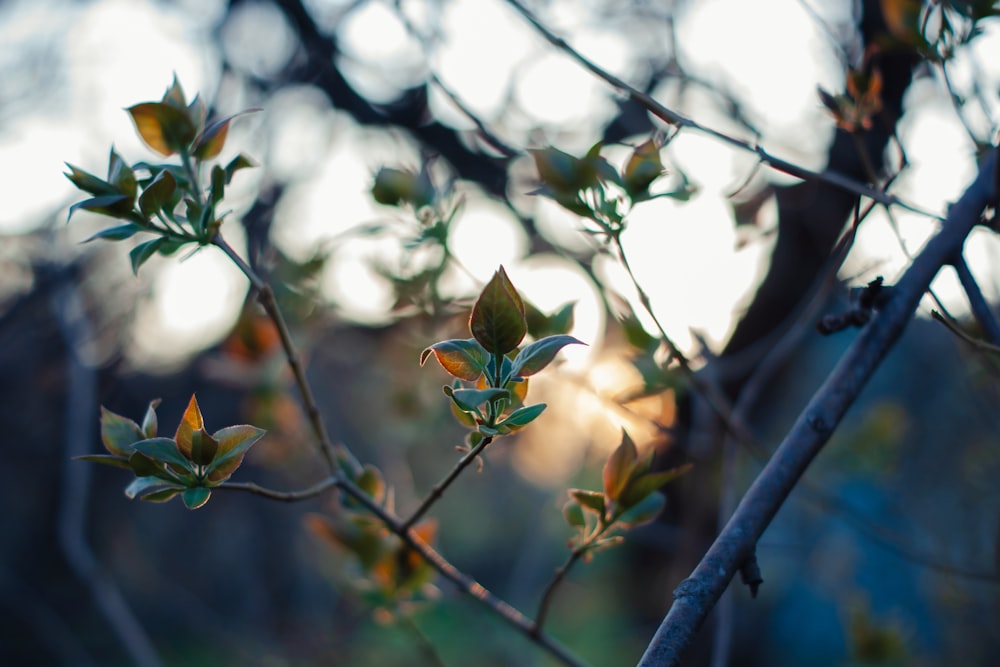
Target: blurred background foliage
x=887 y=555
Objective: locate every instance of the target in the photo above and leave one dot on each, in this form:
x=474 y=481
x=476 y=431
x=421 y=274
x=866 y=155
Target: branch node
x=750 y=574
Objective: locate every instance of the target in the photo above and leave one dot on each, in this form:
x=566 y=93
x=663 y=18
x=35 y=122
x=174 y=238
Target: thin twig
x=440 y=487
x=679 y=120
x=465 y=583
x=954 y=328
x=977 y=302
x=557 y=578
x=695 y=596
x=284 y=496
x=266 y=297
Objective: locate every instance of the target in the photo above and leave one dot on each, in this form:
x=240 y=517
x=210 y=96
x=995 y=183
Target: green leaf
x=643 y=167
x=163 y=495
x=196 y=497
x=111 y=205
x=143 y=485
x=573 y=514
x=142 y=252
x=105 y=459
x=471 y=399
x=121 y=176
x=89 y=183
x=618 y=469
x=466 y=359
x=234 y=442
x=371 y=482
x=218 y=187
x=149 y=422
x=592 y=501
x=164 y=450
x=241 y=161
x=521 y=418
x=642 y=486
x=158 y=193
x=636 y=335
x=119 y=233
x=560 y=171
x=165 y=128
x=118 y=433
x=203 y=447
x=497 y=320
x=143 y=466
x=642 y=512
x=536 y=356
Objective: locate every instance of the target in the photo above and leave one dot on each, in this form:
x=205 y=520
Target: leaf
x=241 y=161
x=573 y=514
x=642 y=168
x=118 y=433
x=497 y=320
x=471 y=399
x=618 y=469
x=196 y=497
x=142 y=252
x=143 y=485
x=106 y=459
x=143 y=466
x=112 y=205
x=203 y=447
x=560 y=171
x=158 y=193
x=521 y=418
x=466 y=359
x=592 y=501
x=640 y=487
x=234 y=442
x=643 y=512
x=539 y=354
x=121 y=176
x=211 y=141
x=89 y=183
x=163 y=127
x=119 y=233
x=371 y=482
x=149 y=422
x=218 y=187
x=175 y=95
x=164 y=450
x=163 y=495
x=191 y=421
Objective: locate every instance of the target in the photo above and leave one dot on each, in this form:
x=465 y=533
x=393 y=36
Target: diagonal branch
x=697 y=595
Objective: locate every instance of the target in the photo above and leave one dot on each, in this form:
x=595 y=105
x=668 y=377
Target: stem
x=284 y=496
x=266 y=297
x=440 y=487
x=465 y=583
x=557 y=578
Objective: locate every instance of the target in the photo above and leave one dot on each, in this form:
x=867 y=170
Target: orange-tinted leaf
x=149 y=421
x=643 y=167
x=466 y=359
x=234 y=442
x=203 y=447
x=212 y=140
x=164 y=128
x=191 y=421
x=498 y=321
x=119 y=433
x=371 y=482
x=618 y=469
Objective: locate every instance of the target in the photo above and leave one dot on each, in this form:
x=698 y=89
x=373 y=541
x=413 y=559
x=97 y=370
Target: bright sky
x=109 y=54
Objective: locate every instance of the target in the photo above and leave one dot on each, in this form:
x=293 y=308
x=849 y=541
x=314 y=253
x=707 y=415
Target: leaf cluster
x=163 y=199
x=189 y=464
x=629 y=498
x=493 y=404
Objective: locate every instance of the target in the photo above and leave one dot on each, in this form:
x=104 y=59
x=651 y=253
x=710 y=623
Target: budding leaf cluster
x=189 y=464
x=630 y=497
x=498 y=324
x=163 y=199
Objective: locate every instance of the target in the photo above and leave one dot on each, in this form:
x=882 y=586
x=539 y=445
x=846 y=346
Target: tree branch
x=440 y=487
x=696 y=596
